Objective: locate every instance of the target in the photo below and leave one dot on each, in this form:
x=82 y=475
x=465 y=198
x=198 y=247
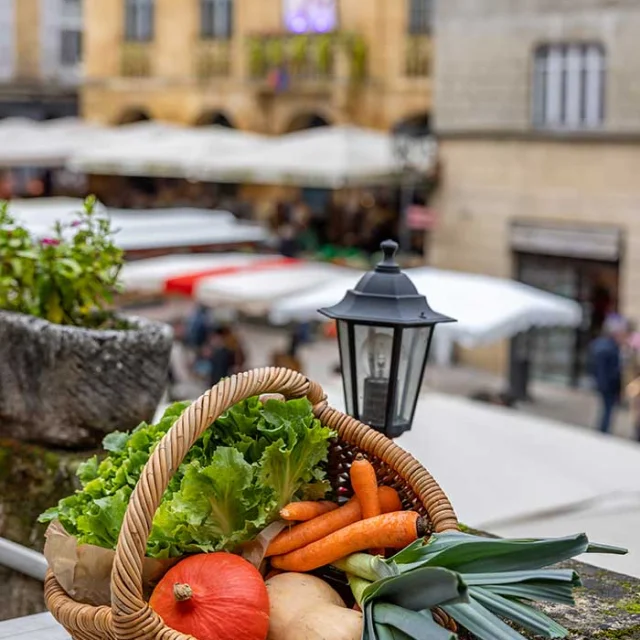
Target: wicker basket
x=130 y=617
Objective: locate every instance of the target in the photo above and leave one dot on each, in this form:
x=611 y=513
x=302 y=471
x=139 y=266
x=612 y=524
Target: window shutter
x=7 y=41
x=50 y=35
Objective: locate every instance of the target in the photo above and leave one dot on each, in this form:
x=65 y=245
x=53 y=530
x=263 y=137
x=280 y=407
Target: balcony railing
x=308 y=57
x=136 y=60
x=418 y=56
x=213 y=59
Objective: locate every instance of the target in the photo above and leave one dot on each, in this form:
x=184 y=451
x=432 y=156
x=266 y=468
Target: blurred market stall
x=487 y=309
x=175 y=153
x=179 y=274
x=255 y=292
x=149 y=232
x=324 y=157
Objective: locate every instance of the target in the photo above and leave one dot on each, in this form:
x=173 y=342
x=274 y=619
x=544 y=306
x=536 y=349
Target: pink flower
x=50 y=242
x=76 y=223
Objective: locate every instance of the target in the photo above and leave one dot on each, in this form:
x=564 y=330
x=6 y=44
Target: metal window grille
x=569 y=86
x=216 y=19
x=139 y=20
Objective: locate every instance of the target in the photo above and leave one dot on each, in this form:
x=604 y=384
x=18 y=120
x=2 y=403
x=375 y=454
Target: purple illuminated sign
x=310 y=16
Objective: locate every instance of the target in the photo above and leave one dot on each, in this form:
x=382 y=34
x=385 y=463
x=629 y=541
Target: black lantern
x=385 y=328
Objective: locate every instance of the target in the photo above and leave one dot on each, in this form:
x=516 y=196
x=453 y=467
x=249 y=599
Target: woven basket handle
x=132 y=617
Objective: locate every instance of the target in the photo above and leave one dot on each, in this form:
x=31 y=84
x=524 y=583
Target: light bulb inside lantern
x=376 y=354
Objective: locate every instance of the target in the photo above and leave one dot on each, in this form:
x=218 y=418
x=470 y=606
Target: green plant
x=357 y=48
x=496 y=581
x=275 y=52
x=68 y=278
x=257 y=57
x=299 y=47
x=325 y=54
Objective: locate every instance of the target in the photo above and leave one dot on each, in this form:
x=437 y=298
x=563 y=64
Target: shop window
x=420 y=16
x=216 y=19
x=569 y=86
x=70 y=47
x=139 y=19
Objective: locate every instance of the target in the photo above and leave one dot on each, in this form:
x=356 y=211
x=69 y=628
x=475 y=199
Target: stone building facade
x=40 y=57
x=264 y=65
x=537 y=109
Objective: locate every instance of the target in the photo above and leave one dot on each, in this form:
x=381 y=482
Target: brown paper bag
x=254 y=551
x=84 y=570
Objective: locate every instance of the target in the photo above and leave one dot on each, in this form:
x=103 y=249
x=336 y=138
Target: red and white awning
x=181 y=274
x=255 y=291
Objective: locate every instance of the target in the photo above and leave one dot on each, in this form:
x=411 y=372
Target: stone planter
x=67 y=387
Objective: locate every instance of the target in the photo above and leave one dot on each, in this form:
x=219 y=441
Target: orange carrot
x=365 y=486
x=306 y=510
x=312 y=530
x=390 y=530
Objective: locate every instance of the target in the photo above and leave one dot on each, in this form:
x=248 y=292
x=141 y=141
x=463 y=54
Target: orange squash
x=215 y=596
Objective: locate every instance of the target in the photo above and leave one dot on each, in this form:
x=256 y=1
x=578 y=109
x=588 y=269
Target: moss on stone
x=630 y=606
x=32 y=479
x=630 y=633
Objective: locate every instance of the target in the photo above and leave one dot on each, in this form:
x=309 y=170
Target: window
x=139 y=20
x=420 y=14
x=70 y=47
x=569 y=86
x=216 y=19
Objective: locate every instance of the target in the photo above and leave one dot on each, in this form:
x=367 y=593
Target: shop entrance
x=560 y=355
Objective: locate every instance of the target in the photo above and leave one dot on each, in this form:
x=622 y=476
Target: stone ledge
x=607 y=606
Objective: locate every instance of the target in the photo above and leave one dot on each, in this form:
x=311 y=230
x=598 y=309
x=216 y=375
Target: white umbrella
x=330 y=157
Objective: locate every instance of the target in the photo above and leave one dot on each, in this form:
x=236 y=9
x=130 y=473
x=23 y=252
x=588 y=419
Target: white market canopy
x=145 y=229
x=171 y=152
x=180 y=273
x=48 y=143
x=327 y=157
x=487 y=309
x=256 y=291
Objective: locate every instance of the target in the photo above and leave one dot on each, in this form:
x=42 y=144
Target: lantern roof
x=386 y=296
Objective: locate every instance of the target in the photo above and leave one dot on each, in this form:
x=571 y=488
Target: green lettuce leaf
x=254 y=459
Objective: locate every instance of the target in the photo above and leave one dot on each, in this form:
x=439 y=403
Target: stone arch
x=307 y=120
x=134 y=114
x=219 y=118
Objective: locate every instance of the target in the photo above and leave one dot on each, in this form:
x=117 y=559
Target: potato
x=326 y=622
x=293 y=594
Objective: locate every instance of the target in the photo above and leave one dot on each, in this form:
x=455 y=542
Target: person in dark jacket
x=606 y=367
x=221 y=357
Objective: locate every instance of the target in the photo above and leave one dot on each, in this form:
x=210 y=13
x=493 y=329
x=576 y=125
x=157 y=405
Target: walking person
x=606 y=367
x=220 y=356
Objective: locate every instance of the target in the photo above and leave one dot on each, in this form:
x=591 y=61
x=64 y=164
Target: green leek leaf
x=552 y=576
x=421 y=589
x=526 y=616
x=467 y=553
x=417 y=625
x=482 y=623
x=562 y=594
